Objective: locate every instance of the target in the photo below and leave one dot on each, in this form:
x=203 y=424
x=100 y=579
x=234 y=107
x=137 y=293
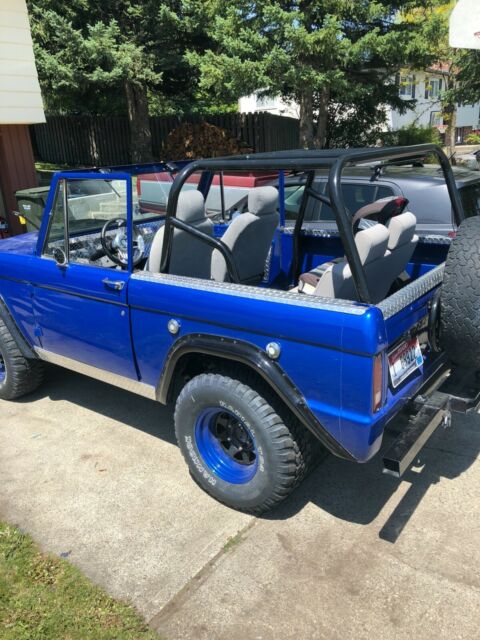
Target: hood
x=24 y=244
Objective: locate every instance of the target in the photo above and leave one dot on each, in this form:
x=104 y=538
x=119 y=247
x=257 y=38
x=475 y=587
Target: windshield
x=93 y=202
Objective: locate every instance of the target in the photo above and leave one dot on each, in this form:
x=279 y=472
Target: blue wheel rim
x=3 y=371
x=226 y=445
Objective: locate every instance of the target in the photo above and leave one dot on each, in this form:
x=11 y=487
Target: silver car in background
x=423 y=186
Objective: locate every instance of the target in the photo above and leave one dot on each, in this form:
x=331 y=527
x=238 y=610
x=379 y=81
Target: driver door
x=80 y=306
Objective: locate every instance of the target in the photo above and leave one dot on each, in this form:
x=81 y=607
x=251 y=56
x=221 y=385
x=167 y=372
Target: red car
x=153 y=190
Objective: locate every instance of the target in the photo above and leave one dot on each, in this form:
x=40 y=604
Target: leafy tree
x=108 y=57
x=467 y=90
x=460 y=68
x=468 y=77
x=319 y=53
x=436 y=21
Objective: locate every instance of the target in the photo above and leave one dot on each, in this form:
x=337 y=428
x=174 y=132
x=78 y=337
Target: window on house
x=407 y=85
x=433 y=88
x=436 y=119
x=266 y=102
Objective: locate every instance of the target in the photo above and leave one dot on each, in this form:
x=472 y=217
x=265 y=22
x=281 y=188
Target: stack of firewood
x=201 y=140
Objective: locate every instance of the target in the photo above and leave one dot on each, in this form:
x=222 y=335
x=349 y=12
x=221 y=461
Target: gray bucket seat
x=381 y=270
x=337 y=281
x=190 y=256
x=249 y=237
x=401 y=245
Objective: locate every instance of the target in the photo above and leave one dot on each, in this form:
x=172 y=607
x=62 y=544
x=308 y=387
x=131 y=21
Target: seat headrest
x=401 y=229
x=372 y=243
x=262 y=200
x=191 y=206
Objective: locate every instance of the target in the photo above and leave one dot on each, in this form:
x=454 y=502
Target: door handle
x=117 y=285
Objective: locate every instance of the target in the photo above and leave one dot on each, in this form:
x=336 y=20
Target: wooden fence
x=89 y=140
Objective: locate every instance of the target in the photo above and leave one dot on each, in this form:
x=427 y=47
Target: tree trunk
x=306 y=120
x=320 y=140
x=450 y=119
x=140 y=134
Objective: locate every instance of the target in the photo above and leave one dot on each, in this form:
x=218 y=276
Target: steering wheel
x=117 y=248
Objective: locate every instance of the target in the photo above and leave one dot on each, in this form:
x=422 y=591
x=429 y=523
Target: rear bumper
x=456 y=391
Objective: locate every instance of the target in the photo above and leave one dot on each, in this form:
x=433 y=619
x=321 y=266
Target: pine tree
x=320 y=53
x=110 y=57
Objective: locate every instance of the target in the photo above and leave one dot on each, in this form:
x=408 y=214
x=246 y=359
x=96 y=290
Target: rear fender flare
x=252 y=356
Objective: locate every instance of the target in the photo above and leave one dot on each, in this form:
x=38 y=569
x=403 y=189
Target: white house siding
x=467 y=116
x=276 y=105
x=20 y=97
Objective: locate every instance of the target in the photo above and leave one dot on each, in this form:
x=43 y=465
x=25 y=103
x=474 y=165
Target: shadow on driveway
x=134 y=411
x=355 y=493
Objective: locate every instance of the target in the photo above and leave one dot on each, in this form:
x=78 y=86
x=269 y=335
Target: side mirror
x=60 y=257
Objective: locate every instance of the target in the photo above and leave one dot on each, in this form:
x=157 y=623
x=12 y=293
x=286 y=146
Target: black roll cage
x=306 y=161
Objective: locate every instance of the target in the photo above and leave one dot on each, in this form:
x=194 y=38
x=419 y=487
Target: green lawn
x=45 y=598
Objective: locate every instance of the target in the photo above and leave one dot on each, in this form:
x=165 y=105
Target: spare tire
x=460 y=301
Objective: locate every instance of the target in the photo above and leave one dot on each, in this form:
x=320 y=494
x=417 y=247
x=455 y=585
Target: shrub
x=473 y=138
x=411 y=135
x=418 y=135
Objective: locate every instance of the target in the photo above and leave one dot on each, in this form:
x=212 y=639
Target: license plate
x=404 y=360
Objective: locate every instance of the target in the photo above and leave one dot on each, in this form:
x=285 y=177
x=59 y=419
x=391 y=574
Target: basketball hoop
x=465 y=15
x=441 y=128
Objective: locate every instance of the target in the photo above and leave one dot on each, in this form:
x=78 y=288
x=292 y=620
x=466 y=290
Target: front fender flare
x=250 y=355
x=22 y=343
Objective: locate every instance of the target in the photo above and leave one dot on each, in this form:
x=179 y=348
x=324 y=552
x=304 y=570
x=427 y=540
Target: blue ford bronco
x=273 y=342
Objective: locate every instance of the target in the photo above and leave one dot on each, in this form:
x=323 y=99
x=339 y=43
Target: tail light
x=452 y=234
x=377 y=393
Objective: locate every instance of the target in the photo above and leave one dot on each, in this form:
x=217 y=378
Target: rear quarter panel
x=327 y=347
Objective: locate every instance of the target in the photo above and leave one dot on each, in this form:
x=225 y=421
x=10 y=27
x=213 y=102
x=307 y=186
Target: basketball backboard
x=465 y=25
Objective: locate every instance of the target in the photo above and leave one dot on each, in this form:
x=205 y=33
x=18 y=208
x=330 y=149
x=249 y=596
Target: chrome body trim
x=134 y=386
x=316 y=233
x=401 y=299
x=266 y=272
x=255 y=293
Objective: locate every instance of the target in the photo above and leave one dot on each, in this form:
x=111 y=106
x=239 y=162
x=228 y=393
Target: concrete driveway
x=93 y=473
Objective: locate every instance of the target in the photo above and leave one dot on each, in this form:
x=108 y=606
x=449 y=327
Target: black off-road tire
x=460 y=297
x=22 y=375
x=285 y=453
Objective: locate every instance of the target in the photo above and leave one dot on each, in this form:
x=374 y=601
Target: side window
x=151 y=192
x=355 y=195
x=470 y=196
x=317 y=210
x=358 y=195
x=293 y=198
x=91 y=203
x=383 y=192
x=233 y=188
